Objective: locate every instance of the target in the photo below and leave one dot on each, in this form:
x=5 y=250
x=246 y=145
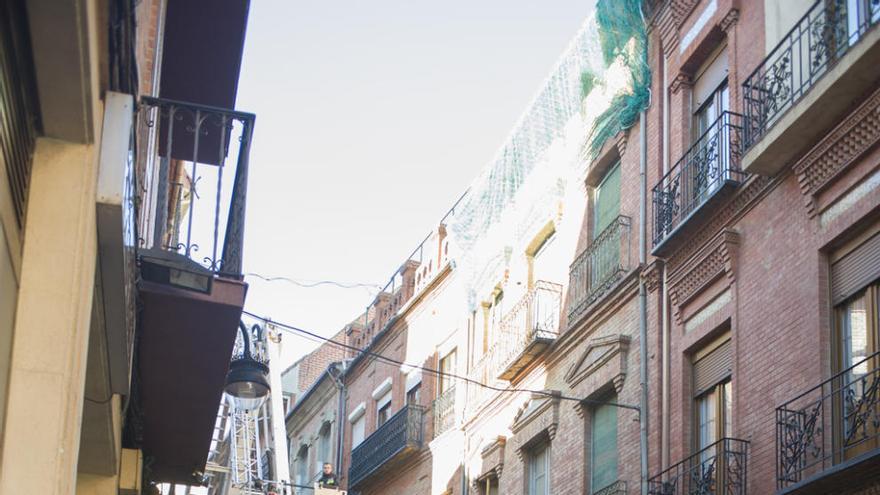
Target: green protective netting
x=623 y=38
x=596 y=89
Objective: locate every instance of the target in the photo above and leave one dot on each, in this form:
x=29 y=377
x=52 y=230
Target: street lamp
x=247 y=381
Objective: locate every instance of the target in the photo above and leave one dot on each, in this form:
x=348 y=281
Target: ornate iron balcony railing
x=444 y=411
x=534 y=320
x=818 y=40
x=710 y=163
x=830 y=423
x=720 y=468
x=598 y=267
x=616 y=488
x=402 y=432
x=195 y=160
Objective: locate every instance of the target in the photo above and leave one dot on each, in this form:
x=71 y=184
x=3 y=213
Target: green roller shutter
x=606 y=200
x=604 y=443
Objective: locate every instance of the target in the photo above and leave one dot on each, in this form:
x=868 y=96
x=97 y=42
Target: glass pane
x=726 y=407
x=604 y=446
x=855 y=335
x=538 y=472
x=706 y=420
x=606 y=201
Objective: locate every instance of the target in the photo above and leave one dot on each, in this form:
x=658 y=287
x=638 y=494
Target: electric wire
x=546 y=393
x=315 y=283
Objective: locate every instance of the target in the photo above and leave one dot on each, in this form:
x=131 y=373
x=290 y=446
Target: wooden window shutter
x=713 y=368
x=855 y=270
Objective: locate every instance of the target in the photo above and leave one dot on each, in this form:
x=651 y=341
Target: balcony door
x=708 y=159
x=857 y=387
x=605 y=259
x=855 y=390
x=712 y=414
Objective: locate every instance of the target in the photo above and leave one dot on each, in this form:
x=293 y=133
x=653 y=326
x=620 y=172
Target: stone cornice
x=716 y=258
x=538 y=416
x=849 y=141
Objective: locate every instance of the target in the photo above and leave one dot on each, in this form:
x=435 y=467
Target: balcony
x=813 y=76
x=720 y=468
x=190 y=225
x=707 y=172
x=444 y=412
x=596 y=270
x=388 y=445
x=529 y=328
x=616 y=488
x=197 y=202
x=831 y=432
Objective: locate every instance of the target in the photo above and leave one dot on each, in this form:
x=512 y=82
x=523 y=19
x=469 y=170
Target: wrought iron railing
x=444 y=411
x=616 y=488
x=720 y=468
x=818 y=40
x=830 y=423
x=196 y=168
x=712 y=161
x=596 y=269
x=535 y=318
x=404 y=430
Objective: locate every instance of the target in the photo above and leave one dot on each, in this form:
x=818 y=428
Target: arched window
x=302 y=465
x=324 y=451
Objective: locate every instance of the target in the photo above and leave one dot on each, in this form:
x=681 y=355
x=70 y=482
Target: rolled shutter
x=713 y=368
x=857 y=269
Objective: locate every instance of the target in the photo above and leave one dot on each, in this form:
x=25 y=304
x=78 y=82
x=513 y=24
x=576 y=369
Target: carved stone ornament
x=717 y=258
x=603 y=361
x=842 y=147
x=729 y=20
x=493 y=461
x=651 y=275
x=681 y=81
x=539 y=415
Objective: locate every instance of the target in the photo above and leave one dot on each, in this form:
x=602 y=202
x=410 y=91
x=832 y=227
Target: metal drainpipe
x=340 y=424
x=643 y=303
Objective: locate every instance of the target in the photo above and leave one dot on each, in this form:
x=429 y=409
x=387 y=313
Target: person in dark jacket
x=328 y=479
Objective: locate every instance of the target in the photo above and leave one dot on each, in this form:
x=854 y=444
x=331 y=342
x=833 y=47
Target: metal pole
x=643 y=304
x=279 y=429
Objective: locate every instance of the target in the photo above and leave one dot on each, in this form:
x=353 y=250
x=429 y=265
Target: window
x=538 y=480
x=302 y=465
x=712 y=397
x=606 y=200
x=413 y=397
x=324 y=454
x=357 y=431
x=488 y=486
x=383 y=409
x=603 y=444
x=858 y=324
x=496 y=313
x=447 y=369
x=709 y=130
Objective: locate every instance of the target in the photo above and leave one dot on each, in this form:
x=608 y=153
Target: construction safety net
x=597 y=88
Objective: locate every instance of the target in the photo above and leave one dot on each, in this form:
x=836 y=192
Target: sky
x=372 y=119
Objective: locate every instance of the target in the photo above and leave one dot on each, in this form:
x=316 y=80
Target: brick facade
x=750 y=264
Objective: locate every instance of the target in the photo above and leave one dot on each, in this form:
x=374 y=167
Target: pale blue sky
x=372 y=118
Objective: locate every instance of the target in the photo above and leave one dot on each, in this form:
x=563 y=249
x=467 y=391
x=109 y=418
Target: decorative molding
x=681 y=81
x=651 y=275
x=493 y=461
x=717 y=258
x=681 y=10
x=838 y=150
x=729 y=21
x=610 y=350
x=539 y=415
